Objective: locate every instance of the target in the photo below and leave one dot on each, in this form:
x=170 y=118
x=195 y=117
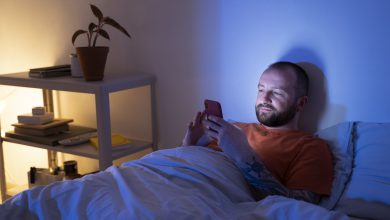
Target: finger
x=212 y=133
x=194 y=119
x=211 y=119
x=217 y=120
x=209 y=125
x=206 y=123
x=190 y=125
x=203 y=114
x=198 y=118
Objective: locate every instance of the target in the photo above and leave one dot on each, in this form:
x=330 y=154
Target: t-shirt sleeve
x=312 y=168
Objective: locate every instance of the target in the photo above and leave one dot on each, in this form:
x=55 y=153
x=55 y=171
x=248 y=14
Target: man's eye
x=277 y=93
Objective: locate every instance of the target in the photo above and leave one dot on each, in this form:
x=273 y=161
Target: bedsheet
x=180 y=183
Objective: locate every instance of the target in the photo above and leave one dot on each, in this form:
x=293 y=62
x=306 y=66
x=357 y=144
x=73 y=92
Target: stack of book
x=38 y=123
x=37 y=116
x=52 y=139
x=41 y=127
x=50 y=71
x=42 y=130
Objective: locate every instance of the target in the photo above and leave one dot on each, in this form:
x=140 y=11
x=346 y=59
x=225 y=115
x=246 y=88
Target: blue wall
x=218 y=49
x=347 y=40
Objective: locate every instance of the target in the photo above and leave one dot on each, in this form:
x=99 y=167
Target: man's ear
x=301 y=102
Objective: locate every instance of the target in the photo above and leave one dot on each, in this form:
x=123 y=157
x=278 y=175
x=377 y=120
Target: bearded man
x=274 y=156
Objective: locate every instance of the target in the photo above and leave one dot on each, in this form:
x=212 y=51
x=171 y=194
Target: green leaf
x=113 y=23
x=91 y=27
x=103 y=33
x=96 y=11
x=77 y=33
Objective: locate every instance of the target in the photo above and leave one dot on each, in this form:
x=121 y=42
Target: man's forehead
x=277 y=78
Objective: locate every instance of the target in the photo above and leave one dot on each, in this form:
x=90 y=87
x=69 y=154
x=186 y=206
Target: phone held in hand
x=213 y=108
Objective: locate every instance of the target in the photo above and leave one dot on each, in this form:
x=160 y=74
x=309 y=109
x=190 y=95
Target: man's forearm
x=266 y=184
x=233 y=142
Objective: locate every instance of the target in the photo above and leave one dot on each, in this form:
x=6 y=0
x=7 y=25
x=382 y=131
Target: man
x=274 y=156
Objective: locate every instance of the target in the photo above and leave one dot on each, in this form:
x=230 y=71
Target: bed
x=192 y=182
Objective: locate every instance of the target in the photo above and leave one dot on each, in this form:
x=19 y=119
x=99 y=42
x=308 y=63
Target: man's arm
x=234 y=143
x=266 y=184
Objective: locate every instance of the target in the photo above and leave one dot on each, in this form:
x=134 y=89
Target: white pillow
x=339 y=139
x=367 y=194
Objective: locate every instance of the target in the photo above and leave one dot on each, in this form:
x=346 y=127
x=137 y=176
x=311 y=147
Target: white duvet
x=180 y=183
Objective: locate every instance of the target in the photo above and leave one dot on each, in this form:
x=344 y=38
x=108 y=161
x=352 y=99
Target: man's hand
x=195 y=134
x=231 y=139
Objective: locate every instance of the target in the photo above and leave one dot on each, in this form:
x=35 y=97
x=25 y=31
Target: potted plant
x=93 y=58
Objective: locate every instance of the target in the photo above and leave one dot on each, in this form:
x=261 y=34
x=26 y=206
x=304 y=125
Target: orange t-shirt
x=297 y=159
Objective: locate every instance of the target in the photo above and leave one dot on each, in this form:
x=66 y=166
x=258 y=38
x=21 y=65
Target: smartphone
x=213 y=108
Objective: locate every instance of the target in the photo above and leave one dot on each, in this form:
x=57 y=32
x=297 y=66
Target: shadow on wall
x=314 y=109
x=318 y=100
x=319 y=111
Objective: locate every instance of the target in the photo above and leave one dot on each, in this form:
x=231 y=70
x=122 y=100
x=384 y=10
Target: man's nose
x=265 y=97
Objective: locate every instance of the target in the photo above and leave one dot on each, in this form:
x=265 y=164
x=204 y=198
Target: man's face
x=276 y=103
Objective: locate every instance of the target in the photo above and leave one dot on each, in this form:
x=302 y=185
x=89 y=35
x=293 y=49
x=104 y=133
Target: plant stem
x=97 y=32
x=89 y=39
x=94 y=40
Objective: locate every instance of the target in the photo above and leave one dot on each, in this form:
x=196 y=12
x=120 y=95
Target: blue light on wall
x=347 y=40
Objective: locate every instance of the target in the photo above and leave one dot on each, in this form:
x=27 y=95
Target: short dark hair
x=302 y=82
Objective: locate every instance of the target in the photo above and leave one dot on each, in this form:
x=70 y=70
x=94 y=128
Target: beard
x=275 y=118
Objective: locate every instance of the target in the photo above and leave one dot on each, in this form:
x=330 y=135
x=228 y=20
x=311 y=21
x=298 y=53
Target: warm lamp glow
x=19 y=158
x=2 y=104
x=18 y=54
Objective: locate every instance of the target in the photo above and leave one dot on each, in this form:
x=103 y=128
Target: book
x=29 y=118
x=54 y=123
x=52 y=140
x=56 y=68
x=50 y=71
x=49 y=74
x=117 y=140
x=42 y=132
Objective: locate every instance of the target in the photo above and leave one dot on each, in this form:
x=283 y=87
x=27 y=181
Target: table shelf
x=112 y=82
x=86 y=149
